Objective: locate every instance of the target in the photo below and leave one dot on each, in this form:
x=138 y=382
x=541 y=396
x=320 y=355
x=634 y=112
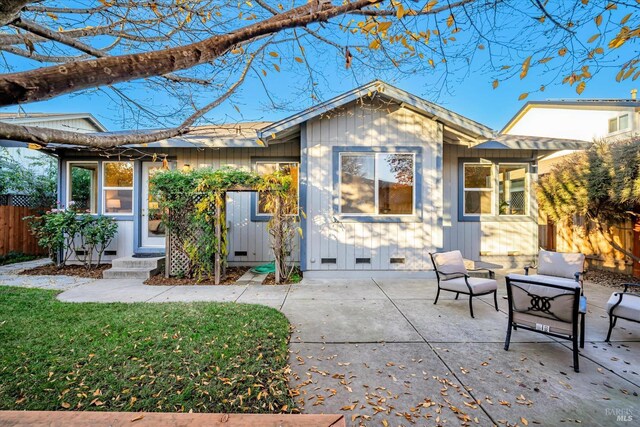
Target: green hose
x=265 y=268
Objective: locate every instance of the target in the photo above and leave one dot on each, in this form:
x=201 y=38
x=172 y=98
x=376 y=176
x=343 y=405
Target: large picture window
x=82 y=188
x=377 y=183
x=117 y=187
x=267 y=167
x=495 y=189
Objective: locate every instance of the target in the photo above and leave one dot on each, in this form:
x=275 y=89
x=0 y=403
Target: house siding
x=244 y=234
x=370 y=125
x=487 y=240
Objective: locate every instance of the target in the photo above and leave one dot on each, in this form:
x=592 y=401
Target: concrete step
x=131 y=262
x=129 y=273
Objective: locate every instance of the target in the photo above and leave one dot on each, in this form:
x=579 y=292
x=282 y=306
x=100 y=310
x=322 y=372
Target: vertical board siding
x=244 y=234
x=15 y=234
x=493 y=238
x=370 y=125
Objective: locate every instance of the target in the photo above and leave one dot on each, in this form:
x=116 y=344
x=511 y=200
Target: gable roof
x=34 y=118
x=573 y=104
x=384 y=90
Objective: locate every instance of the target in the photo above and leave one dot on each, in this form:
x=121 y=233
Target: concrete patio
x=379 y=350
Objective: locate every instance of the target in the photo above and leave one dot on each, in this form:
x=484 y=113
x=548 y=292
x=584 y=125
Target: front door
x=152 y=229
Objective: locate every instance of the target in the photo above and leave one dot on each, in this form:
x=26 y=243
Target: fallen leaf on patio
x=524 y=421
x=138 y=418
x=349 y=407
x=505 y=403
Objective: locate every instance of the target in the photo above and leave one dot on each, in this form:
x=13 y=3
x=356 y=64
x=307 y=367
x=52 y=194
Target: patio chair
x=453 y=276
x=546 y=308
x=624 y=305
x=558 y=268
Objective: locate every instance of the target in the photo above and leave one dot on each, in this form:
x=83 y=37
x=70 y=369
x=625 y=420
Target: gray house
x=385 y=177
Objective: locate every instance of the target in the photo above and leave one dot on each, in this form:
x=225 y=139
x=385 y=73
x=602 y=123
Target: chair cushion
x=629 y=307
x=560 y=264
x=539 y=300
x=549 y=280
x=478 y=285
x=538 y=323
x=449 y=262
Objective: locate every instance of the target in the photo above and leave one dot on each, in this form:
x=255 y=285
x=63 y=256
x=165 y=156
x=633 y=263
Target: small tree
x=281 y=199
x=601 y=184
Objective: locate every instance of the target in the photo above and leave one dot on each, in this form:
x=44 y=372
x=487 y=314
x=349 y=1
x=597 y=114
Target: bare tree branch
x=43 y=136
x=49 y=82
x=10 y=10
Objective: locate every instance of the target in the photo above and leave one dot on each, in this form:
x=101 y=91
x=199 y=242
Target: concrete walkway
x=379 y=350
x=9 y=277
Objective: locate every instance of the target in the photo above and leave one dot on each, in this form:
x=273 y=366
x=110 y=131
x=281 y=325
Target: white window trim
x=104 y=188
x=257 y=212
x=68 y=189
x=492 y=188
x=527 y=189
x=618 y=129
x=376 y=213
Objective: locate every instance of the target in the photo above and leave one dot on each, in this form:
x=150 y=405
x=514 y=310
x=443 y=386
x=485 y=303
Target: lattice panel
x=17 y=200
x=178 y=263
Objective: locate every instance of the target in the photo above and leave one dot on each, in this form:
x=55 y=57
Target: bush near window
x=601 y=184
x=76 y=234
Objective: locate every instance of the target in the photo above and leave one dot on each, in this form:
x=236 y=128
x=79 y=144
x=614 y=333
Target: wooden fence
x=586 y=239
x=14 y=232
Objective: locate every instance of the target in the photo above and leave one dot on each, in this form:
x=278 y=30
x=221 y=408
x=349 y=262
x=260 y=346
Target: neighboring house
x=385 y=177
x=582 y=119
x=36 y=159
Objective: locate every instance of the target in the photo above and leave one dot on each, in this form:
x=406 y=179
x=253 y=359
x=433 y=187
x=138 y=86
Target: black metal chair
x=546 y=308
x=624 y=305
x=453 y=276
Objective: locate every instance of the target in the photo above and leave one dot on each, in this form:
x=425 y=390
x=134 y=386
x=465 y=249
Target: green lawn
x=213 y=357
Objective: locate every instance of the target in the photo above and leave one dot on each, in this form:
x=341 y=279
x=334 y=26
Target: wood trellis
x=177 y=260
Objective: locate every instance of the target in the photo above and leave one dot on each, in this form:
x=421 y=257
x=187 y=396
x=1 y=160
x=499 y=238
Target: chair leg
x=612 y=323
x=437 y=296
x=457 y=295
x=507 y=340
x=495 y=299
x=576 y=366
x=582 y=330
x=471 y=305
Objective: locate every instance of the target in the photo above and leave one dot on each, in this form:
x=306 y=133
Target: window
x=512 y=191
x=117 y=188
x=377 y=183
x=266 y=167
x=478 y=189
x=500 y=189
x=82 y=188
x=618 y=124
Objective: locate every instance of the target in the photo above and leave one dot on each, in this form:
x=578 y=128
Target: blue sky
x=474 y=98
x=472 y=95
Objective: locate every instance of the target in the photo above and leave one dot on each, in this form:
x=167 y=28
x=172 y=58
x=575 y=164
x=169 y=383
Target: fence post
x=218 y=217
x=636 y=246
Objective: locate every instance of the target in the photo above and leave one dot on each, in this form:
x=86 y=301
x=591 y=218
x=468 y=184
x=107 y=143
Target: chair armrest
x=527 y=267
x=492 y=274
x=460 y=274
x=627 y=285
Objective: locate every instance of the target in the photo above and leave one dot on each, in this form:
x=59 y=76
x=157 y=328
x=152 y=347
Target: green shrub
x=69 y=231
